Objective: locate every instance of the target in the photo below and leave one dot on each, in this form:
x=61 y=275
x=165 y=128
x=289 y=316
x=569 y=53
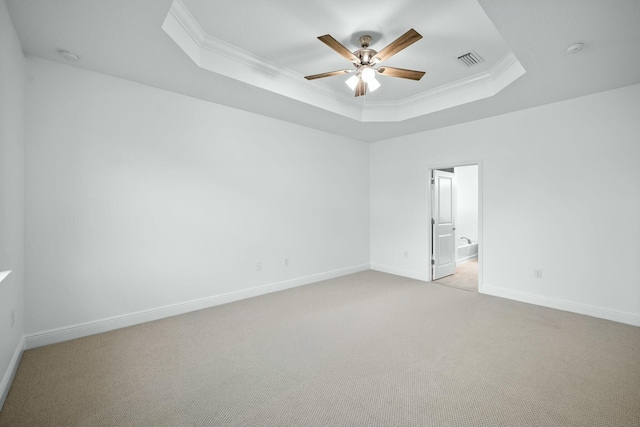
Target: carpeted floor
x=369 y=349
x=465 y=277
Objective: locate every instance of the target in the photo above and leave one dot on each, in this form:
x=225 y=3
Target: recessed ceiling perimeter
x=209 y=34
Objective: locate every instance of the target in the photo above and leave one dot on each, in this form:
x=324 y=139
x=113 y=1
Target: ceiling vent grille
x=470 y=59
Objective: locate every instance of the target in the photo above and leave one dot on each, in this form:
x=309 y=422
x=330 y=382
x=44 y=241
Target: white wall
x=12 y=123
x=561 y=192
x=138 y=199
x=467 y=203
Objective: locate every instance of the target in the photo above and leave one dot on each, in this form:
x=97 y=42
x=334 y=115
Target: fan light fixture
x=352 y=82
x=367 y=75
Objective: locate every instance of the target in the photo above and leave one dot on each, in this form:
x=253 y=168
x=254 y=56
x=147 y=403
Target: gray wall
x=139 y=199
x=561 y=187
x=12 y=136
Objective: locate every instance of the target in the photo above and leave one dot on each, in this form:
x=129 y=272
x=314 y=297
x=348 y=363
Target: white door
x=443 y=224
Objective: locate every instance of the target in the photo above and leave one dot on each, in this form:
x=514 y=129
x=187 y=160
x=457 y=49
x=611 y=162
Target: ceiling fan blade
x=335 y=45
x=361 y=88
x=401 y=72
x=329 y=74
x=405 y=40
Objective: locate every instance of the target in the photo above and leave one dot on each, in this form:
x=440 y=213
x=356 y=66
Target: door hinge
x=433 y=262
x=433 y=221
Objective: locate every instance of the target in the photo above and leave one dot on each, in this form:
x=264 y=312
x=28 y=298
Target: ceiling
x=207 y=32
x=253 y=55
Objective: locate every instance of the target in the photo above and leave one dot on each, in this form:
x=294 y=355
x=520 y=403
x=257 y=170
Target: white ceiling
x=124 y=38
x=287 y=30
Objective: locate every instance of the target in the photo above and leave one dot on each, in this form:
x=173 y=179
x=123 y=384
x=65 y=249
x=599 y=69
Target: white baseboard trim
x=67 y=333
x=589 y=310
x=7 y=379
x=465 y=259
x=400 y=272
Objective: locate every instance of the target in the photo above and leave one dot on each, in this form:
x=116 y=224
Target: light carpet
x=368 y=349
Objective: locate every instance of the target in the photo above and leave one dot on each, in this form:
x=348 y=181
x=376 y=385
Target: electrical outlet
x=537 y=273
x=259 y=266
x=13 y=317
x=286 y=262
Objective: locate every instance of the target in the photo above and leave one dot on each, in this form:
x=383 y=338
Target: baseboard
x=465 y=259
x=103 y=325
x=589 y=310
x=7 y=379
x=400 y=272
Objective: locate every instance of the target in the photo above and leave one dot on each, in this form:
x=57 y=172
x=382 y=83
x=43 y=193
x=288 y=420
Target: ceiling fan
x=365 y=59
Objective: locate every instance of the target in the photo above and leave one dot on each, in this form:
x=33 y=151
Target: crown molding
x=223 y=58
x=473 y=88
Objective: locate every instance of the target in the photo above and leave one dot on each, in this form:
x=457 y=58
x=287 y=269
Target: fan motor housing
x=365 y=55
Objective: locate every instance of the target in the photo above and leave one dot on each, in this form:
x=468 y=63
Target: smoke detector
x=575 y=48
x=68 y=56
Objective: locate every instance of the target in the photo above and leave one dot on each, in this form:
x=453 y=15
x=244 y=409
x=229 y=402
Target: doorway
x=455 y=231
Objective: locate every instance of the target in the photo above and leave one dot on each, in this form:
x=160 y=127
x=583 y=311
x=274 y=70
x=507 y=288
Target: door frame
x=429 y=212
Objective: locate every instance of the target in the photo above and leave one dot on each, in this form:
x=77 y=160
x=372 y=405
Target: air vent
x=470 y=59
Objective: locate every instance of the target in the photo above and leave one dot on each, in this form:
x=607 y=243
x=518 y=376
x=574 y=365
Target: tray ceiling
x=244 y=40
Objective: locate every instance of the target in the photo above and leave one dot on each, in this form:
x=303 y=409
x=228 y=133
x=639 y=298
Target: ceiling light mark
x=68 y=56
x=575 y=48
